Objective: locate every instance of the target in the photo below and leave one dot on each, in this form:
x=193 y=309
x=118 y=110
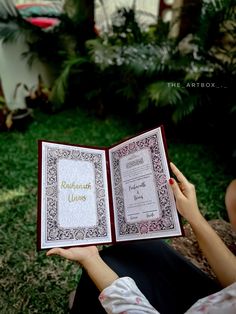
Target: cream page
x=140 y=195
x=76 y=194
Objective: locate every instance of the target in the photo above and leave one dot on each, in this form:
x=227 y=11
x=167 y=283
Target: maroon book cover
x=93 y=196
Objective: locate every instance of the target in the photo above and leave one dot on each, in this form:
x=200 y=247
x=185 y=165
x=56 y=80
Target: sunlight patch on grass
x=10 y=195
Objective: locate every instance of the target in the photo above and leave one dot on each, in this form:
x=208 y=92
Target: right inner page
x=143 y=202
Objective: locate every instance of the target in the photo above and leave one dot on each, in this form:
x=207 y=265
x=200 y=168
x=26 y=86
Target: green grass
x=31 y=282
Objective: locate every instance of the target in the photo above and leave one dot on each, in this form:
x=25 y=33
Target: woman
x=150 y=277
x=230 y=203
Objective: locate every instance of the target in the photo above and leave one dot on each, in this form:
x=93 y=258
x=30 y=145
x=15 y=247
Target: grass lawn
x=31 y=282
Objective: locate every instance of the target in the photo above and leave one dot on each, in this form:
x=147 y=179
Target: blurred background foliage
x=140 y=70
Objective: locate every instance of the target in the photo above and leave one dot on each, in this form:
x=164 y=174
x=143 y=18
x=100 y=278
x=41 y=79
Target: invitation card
x=91 y=196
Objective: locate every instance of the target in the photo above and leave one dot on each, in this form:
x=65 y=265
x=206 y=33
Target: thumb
x=58 y=251
x=175 y=188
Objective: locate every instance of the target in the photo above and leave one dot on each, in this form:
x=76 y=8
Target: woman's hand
x=220 y=258
x=100 y=273
x=78 y=254
x=185 y=196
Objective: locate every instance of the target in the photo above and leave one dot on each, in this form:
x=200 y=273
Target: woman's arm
x=100 y=273
x=117 y=296
x=220 y=258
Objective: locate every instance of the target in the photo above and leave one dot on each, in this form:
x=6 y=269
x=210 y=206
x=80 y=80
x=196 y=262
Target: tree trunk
x=189 y=15
x=82 y=14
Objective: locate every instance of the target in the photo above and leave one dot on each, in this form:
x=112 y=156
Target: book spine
x=171 y=174
x=39 y=247
x=112 y=222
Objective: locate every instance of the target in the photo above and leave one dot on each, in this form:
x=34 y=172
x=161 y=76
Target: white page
x=143 y=202
x=74 y=196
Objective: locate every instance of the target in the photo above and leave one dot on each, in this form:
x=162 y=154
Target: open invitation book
x=105 y=195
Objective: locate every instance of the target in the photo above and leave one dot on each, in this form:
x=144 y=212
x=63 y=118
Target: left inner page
x=73 y=196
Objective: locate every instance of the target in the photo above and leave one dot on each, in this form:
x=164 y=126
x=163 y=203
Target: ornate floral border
x=166 y=221
x=55 y=232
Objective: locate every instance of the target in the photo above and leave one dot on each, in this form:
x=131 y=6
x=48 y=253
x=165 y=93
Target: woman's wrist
x=87 y=260
x=99 y=272
x=197 y=220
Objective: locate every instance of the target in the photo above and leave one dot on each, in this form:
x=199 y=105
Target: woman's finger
x=175 y=188
x=59 y=251
x=181 y=178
